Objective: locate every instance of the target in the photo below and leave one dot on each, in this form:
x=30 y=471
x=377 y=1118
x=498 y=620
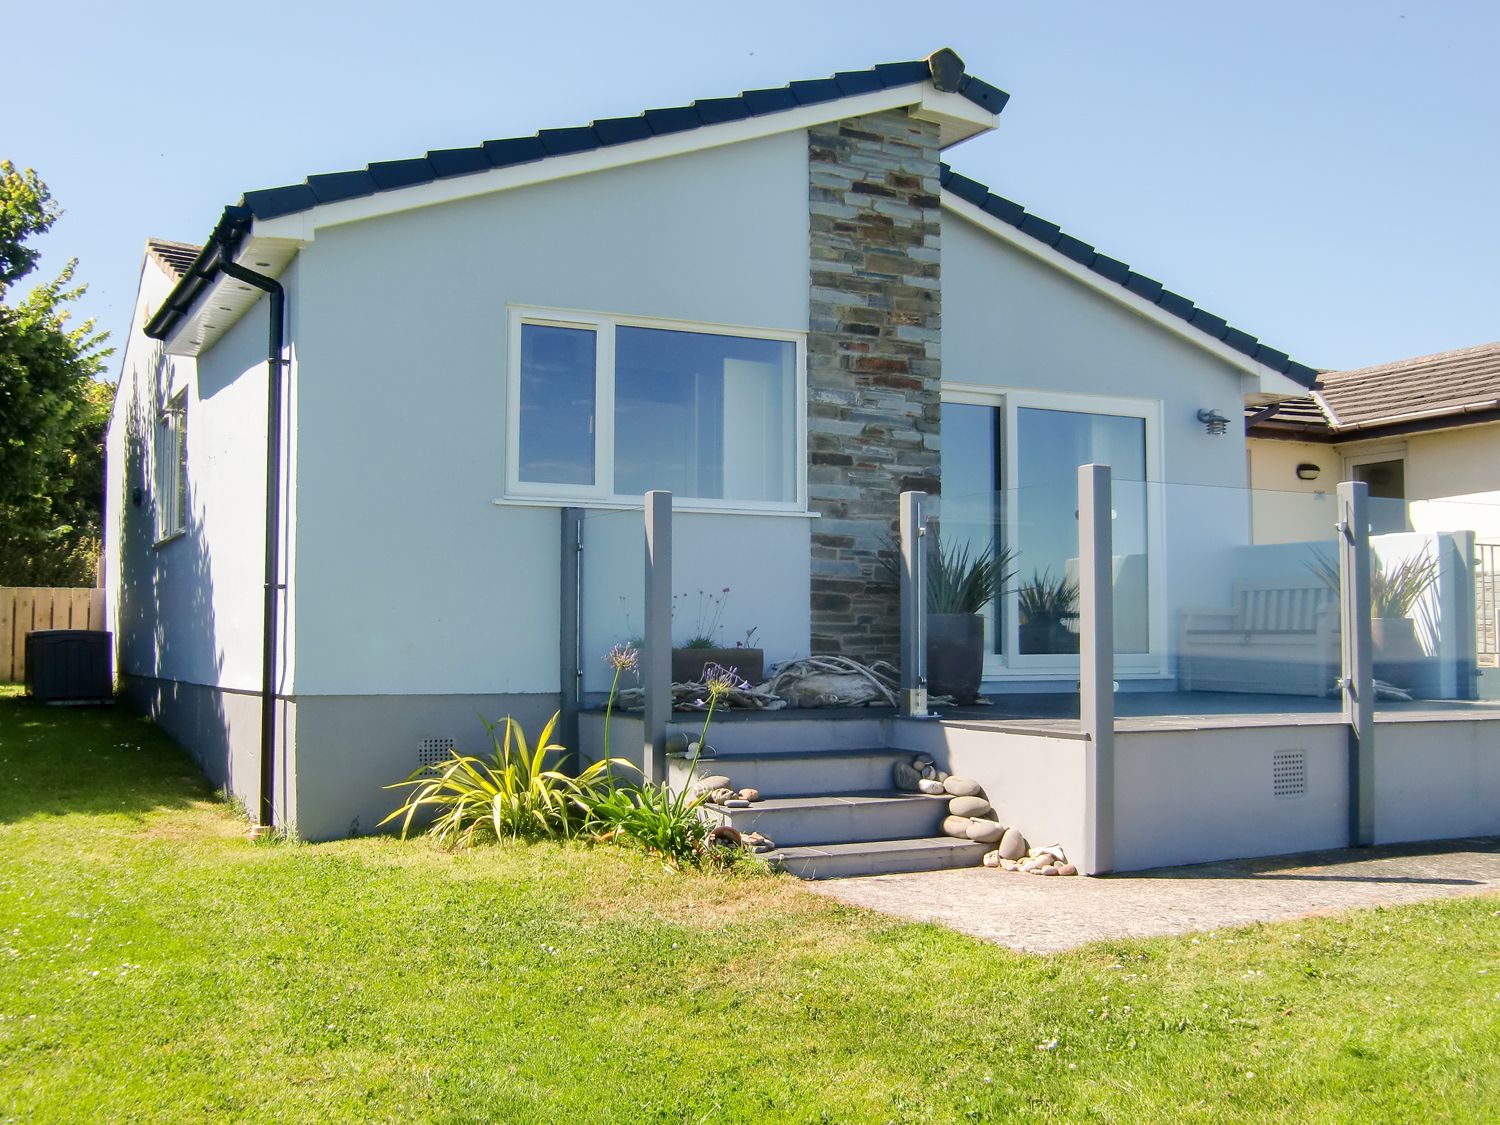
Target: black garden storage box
x=69 y=666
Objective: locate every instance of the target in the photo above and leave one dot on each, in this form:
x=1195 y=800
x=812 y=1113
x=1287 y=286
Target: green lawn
x=154 y=965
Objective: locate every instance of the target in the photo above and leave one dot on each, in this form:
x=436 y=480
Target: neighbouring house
x=784 y=307
x=1423 y=433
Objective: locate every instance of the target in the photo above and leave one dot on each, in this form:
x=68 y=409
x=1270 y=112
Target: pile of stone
x=971 y=817
x=716 y=789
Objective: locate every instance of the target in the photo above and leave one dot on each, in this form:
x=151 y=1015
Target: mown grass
x=154 y=965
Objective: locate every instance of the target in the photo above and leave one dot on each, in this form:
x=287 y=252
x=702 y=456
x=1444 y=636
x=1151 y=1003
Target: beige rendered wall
x=1285 y=509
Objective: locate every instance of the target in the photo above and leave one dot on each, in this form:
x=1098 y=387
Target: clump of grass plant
x=1395 y=589
x=511 y=795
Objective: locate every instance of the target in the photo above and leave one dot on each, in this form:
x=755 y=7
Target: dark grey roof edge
x=998 y=207
x=943 y=68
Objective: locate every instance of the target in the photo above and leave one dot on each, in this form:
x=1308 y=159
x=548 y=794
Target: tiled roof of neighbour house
x=174 y=257
x=944 y=68
x=1445 y=388
x=1050 y=234
x=1295 y=417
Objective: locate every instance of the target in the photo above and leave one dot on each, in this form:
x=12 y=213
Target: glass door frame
x=1012 y=664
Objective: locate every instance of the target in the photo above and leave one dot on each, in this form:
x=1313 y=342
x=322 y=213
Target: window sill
x=164 y=541
x=679 y=507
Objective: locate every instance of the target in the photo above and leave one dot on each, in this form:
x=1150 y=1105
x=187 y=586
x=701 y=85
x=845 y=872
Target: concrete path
x=1046 y=915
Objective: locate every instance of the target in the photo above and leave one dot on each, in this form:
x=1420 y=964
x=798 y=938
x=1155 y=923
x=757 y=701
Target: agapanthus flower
x=623 y=658
x=720 y=681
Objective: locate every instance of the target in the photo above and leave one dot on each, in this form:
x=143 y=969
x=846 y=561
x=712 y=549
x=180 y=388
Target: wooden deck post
x=570 y=599
x=1096 y=667
x=1357 y=660
x=656 y=659
x=913 y=525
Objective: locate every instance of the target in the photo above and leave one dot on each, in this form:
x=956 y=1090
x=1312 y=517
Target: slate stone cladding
x=872 y=364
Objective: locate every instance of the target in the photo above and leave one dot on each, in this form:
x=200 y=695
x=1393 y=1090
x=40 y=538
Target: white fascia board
x=226 y=300
x=956 y=115
x=1271 y=381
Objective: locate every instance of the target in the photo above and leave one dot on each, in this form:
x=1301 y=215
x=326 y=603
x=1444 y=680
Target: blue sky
x=1323 y=174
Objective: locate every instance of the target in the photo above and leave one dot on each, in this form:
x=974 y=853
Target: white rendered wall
x=1435 y=782
x=1199 y=796
x=1013 y=322
x=190 y=609
x=410 y=579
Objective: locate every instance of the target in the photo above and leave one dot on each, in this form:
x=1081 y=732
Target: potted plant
x=960 y=583
x=701 y=647
x=1046 y=607
x=1395 y=590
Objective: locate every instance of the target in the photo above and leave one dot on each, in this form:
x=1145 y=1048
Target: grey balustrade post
x=656 y=659
x=570 y=634
x=913 y=528
x=1357 y=657
x=1096 y=667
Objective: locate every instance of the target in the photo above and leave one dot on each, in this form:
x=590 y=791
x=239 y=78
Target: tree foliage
x=53 y=409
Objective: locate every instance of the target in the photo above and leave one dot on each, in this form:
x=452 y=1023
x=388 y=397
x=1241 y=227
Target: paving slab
x=1046 y=915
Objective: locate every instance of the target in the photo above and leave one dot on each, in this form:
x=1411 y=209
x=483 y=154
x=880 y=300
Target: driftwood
x=834 y=681
x=816 y=681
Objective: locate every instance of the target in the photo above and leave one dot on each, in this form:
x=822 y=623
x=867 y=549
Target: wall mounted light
x=1214 y=422
x=1308 y=471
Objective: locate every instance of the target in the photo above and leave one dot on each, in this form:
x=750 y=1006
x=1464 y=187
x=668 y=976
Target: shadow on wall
x=168 y=653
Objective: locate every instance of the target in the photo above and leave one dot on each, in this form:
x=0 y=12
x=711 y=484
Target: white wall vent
x=434 y=750
x=1289 y=773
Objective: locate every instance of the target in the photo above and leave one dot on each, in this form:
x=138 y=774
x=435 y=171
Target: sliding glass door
x=1010 y=483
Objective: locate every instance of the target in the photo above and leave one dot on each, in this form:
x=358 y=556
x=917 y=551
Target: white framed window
x=1009 y=473
x=170 y=477
x=607 y=408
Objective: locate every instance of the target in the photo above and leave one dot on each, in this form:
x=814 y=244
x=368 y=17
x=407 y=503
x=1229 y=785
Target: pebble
x=720 y=796
x=1012 y=844
x=906 y=777
x=1048 y=869
x=923 y=760
x=929 y=771
x=942 y=775
x=956 y=826
x=724 y=834
x=986 y=831
x=992 y=859
x=710 y=783
x=968 y=806
x=931 y=788
x=735 y=803
x=963 y=787
x=749 y=794
x=1009 y=864
x=1067 y=869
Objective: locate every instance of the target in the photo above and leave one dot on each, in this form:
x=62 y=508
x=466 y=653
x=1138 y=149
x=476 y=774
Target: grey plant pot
x=688 y=663
x=955 y=655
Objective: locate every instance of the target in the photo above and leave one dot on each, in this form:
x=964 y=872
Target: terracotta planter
x=955 y=655
x=688 y=663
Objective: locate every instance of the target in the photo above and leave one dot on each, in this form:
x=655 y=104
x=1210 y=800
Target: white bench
x=1279 y=638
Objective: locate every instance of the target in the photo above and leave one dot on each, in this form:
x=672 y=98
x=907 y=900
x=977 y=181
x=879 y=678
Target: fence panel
x=24 y=609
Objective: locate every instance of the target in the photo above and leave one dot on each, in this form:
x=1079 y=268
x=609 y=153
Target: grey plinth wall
x=872 y=365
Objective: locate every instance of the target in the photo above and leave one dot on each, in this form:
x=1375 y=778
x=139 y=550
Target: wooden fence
x=24 y=608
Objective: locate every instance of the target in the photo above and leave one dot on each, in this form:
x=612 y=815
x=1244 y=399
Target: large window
x=1009 y=471
x=170 y=483
x=610 y=408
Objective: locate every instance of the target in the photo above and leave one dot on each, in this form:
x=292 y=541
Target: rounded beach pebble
x=710 y=783
x=931 y=788
x=968 y=806
x=1012 y=844
x=986 y=832
x=905 y=776
x=956 y=826
x=963 y=787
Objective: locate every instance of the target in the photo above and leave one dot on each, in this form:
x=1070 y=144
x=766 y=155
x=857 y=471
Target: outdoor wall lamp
x=1307 y=471
x=1214 y=422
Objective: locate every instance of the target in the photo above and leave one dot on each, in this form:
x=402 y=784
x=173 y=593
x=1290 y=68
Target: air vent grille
x=1289 y=773
x=434 y=750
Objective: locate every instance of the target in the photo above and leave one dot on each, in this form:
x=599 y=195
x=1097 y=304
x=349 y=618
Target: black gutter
x=217 y=257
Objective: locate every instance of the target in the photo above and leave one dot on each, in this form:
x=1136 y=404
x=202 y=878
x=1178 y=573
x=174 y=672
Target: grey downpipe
x=274 y=367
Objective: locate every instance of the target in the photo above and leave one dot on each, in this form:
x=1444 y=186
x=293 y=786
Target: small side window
x=171 y=469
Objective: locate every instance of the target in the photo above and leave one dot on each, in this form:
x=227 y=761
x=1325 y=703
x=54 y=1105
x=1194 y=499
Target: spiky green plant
x=1047 y=600
x=510 y=795
x=960 y=579
x=1394 y=590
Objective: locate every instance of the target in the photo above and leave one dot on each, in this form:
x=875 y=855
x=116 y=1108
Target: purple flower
x=623 y=658
x=720 y=680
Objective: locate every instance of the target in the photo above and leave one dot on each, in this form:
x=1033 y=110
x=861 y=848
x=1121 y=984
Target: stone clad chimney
x=872 y=366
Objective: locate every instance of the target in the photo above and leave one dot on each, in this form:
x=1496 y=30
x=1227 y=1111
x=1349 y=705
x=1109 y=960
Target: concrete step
x=805 y=773
x=735 y=733
x=884 y=857
x=839 y=818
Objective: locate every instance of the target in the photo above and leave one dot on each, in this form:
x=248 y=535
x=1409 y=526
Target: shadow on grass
x=60 y=760
x=1413 y=864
